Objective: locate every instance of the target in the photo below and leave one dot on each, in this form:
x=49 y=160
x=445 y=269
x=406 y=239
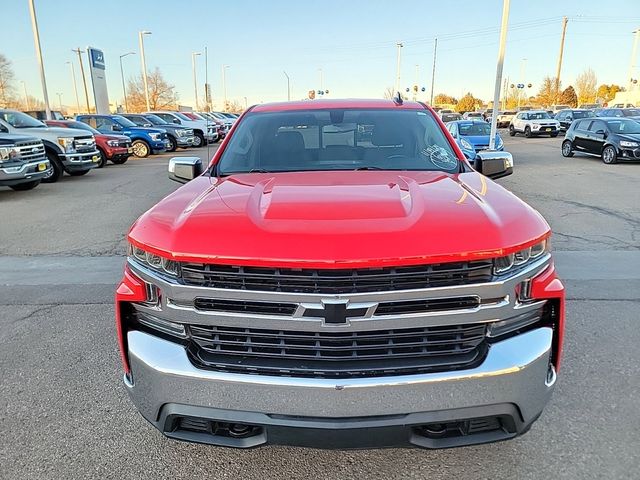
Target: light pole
x=36 y=41
x=195 y=78
x=523 y=69
x=84 y=80
x=433 y=71
x=399 y=45
x=59 y=100
x=634 y=52
x=75 y=86
x=224 y=86
x=144 y=66
x=415 y=89
x=26 y=97
x=496 y=92
x=288 y=87
x=124 y=90
x=246 y=103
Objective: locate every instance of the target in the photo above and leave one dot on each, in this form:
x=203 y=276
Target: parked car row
x=34 y=151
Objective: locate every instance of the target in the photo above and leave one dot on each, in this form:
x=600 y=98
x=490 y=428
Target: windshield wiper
x=369 y=168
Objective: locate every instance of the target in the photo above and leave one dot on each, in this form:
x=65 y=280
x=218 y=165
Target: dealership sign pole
x=97 y=69
x=496 y=92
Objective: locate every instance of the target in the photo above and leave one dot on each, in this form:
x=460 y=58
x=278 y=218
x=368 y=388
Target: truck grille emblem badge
x=336 y=311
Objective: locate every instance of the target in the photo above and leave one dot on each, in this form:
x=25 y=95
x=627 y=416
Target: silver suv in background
x=67 y=149
x=23 y=163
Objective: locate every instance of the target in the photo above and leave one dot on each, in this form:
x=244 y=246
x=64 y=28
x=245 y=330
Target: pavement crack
x=34 y=313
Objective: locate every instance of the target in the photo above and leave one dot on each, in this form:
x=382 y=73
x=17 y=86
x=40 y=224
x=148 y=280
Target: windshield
x=473 y=129
x=584 y=114
x=124 y=122
x=182 y=116
x=538 y=115
x=624 y=126
x=631 y=112
x=351 y=139
x=83 y=126
x=450 y=117
x=154 y=119
x=21 y=120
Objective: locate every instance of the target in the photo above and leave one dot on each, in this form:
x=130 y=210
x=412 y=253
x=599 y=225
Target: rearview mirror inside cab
x=185 y=169
x=494 y=164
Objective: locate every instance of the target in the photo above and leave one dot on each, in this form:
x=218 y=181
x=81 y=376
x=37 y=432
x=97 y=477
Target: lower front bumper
x=184 y=142
x=27 y=172
x=512 y=385
x=80 y=161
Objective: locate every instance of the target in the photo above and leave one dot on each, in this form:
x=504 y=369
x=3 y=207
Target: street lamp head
x=126 y=54
x=145 y=32
x=196 y=53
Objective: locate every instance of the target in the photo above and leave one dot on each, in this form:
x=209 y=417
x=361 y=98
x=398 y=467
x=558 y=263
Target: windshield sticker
x=440 y=157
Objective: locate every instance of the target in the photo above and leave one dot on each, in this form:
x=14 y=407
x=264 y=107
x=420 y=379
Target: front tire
x=22 y=187
x=103 y=158
x=119 y=160
x=527 y=132
x=173 y=145
x=198 y=140
x=554 y=135
x=512 y=131
x=141 y=149
x=567 y=148
x=609 y=155
x=56 y=169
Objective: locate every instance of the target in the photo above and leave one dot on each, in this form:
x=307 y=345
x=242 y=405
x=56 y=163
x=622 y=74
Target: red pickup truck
x=116 y=148
x=371 y=289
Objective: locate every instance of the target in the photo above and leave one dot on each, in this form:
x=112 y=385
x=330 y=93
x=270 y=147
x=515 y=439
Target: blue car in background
x=144 y=141
x=473 y=136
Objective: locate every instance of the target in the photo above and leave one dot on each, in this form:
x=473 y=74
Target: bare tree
x=586 y=87
x=7 y=91
x=162 y=95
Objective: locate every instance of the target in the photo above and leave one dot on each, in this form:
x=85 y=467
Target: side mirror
x=116 y=128
x=570 y=119
x=185 y=169
x=601 y=132
x=176 y=121
x=494 y=164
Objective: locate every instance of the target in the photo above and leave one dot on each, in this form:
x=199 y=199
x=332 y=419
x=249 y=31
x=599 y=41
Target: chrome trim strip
x=176 y=304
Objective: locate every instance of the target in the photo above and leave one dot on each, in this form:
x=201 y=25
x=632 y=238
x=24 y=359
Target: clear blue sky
x=353 y=41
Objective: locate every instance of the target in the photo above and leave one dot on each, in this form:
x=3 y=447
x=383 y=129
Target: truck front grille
x=85 y=144
x=336 y=354
x=336 y=281
x=28 y=151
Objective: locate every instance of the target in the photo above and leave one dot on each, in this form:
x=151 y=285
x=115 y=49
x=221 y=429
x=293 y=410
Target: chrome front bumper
x=514 y=372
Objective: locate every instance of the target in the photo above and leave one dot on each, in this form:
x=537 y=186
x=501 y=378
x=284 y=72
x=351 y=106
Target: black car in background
x=633 y=113
x=612 y=138
x=566 y=117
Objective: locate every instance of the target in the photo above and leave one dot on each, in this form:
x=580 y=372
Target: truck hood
x=143 y=130
x=325 y=219
x=55 y=131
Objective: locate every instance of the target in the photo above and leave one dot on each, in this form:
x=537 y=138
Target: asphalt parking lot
x=65 y=414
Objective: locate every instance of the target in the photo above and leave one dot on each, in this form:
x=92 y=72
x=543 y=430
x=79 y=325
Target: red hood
x=324 y=219
x=106 y=137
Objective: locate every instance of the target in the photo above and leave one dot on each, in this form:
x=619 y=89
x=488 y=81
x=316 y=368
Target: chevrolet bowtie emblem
x=336 y=311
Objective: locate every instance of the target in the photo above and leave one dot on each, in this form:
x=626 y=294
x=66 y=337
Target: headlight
x=67 y=144
x=521 y=257
x=624 y=143
x=466 y=144
x=499 y=143
x=112 y=143
x=7 y=153
x=154 y=136
x=153 y=261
